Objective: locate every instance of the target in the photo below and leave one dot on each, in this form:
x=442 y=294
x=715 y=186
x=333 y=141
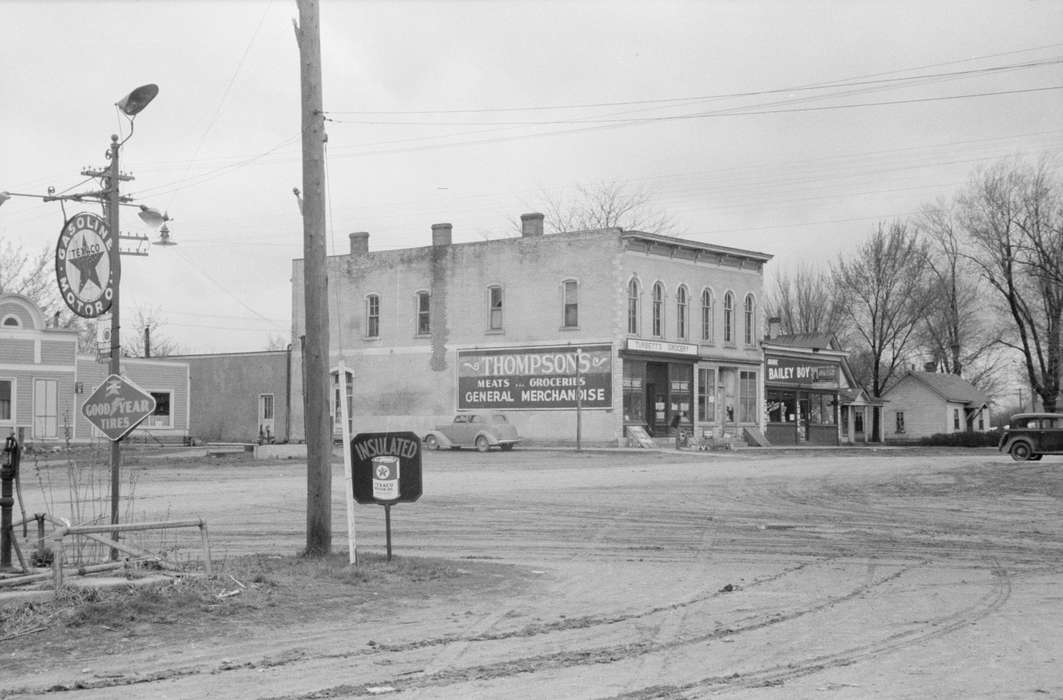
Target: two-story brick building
x=616 y=328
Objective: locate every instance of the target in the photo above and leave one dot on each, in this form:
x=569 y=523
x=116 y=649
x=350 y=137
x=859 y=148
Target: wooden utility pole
x=318 y=427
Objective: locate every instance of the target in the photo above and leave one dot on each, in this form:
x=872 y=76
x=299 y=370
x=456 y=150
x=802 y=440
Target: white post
x=348 y=470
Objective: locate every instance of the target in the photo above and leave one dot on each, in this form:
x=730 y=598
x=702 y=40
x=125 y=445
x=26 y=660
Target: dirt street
x=755 y=574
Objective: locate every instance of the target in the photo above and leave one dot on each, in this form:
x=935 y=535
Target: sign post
x=386 y=470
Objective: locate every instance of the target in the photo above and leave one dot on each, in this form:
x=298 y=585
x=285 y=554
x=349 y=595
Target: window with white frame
x=494 y=307
x=633 y=307
x=570 y=304
x=162 y=416
x=45 y=408
x=7 y=392
x=658 y=310
x=751 y=320
x=708 y=315
x=424 y=315
x=729 y=318
x=372 y=316
x=681 y=310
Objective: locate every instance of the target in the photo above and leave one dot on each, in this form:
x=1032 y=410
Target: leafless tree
x=805 y=301
x=884 y=288
x=146 y=340
x=608 y=204
x=1013 y=214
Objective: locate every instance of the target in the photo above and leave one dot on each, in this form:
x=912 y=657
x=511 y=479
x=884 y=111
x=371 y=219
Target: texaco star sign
x=83 y=265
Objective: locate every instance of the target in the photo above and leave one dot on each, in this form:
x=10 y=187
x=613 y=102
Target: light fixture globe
x=164 y=236
x=132 y=104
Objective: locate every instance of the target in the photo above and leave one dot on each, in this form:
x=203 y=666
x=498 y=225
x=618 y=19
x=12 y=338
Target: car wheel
x=431 y=442
x=507 y=446
x=1020 y=451
x=482 y=444
x=1036 y=458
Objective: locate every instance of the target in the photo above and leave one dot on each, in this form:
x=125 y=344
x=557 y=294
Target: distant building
x=926 y=403
x=44 y=382
x=612 y=329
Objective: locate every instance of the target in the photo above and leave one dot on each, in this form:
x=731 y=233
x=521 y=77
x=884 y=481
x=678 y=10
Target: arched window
x=729 y=318
x=11 y=321
x=633 y=306
x=708 y=315
x=372 y=316
x=658 y=310
x=751 y=319
x=681 y=303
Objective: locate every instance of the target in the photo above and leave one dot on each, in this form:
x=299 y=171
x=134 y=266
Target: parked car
x=1031 y=435
x=480 y=430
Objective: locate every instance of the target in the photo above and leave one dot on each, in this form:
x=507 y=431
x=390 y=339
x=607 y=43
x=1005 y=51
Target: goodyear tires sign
x=555 y=377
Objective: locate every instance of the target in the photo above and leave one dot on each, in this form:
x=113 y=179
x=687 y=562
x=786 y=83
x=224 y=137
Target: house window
x=424 y=326
x=337 y=407
x=707 y=395
x=729 y=318
x=6 y=391
x=265 y=406
x=751 y=328
x=747 y=397
x=46 y=408
x=981 y=420
x=900 y=421
x=570 y=304
x=11 y=321
x=658 y=310
x=681 y=303
x=706 y=315
x=633 y=307
x=161 y=417
x=955 y=419
x=494 y=308
x=372 y=316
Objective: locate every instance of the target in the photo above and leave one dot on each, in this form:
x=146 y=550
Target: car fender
x=492 y=439
x=444 y=441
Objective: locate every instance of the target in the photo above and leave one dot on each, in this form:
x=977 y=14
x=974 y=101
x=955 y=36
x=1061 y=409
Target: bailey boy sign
x=117 y=406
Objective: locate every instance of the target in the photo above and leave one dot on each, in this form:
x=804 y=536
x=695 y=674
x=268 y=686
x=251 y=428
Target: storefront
x=659 y=385
x=803 y=388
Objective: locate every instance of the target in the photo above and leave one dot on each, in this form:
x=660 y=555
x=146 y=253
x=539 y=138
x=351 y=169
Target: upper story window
x=658 y=310
x=12 y=321
x=372 y=316
x=6 y=394
x=708 y=315
x=681 y=317
x=494 y=307
x=633 y=307
x=751 y=319
x=570 y=304
x=424 y=303
x=729 y=318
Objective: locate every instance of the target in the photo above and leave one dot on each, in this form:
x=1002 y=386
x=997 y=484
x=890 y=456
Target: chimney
x=359 y=243
x=774 y=325
x=531 y=225
x=441 y=234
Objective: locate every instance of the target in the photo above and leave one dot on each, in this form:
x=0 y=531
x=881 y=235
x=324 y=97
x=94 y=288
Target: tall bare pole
x=315 y=358
x=115 y=259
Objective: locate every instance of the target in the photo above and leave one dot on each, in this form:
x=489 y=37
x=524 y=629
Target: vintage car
x=480 y=430
x=1031 y=435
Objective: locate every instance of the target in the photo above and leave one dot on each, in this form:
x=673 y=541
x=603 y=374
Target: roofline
x=688 y=243
x=934 y=389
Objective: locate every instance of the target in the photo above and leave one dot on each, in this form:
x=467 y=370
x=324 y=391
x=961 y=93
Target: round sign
x=83 y=265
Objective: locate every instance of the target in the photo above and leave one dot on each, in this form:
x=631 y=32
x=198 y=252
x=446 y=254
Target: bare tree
x=805 y=301
x=1013 y=214
x=31 y=275
x=884 y=285
x=146 y=340
x=608 y=204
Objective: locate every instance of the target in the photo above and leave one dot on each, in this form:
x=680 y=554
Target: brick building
x=657 y=331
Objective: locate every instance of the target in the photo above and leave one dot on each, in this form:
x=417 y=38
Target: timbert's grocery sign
x=535 y=378
x=117 y=406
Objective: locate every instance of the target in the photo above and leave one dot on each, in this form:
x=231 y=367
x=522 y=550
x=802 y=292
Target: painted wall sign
x=637 y=345
x=83 y=265
x=386 y=467
x=789 y=371
x=536 y=378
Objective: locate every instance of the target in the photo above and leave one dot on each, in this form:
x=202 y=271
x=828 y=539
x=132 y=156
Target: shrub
x=965 y=439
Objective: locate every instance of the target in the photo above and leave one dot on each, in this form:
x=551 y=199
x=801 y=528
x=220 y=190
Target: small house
x=927 y=403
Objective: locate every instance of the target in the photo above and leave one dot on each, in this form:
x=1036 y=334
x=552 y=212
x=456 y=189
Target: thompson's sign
x=386 y=467
x=787 y=371
x=536 y=378
x=83 y=265
x=117 y=406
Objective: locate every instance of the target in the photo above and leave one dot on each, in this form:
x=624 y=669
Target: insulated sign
x=386 y=467
x=117 y=406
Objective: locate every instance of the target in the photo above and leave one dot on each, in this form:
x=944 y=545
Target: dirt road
x=760 y=574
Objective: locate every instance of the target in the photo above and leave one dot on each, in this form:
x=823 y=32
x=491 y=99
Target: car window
x=498 y=418
x=476 y=419
x=460 y=419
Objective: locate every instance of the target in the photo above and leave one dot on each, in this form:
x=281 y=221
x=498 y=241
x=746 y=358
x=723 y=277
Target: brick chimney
x=774 y=326
x=359 y=243
x=531 y=225
x=441 y=234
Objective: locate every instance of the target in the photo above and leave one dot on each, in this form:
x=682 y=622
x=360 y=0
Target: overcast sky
x=785 y=127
